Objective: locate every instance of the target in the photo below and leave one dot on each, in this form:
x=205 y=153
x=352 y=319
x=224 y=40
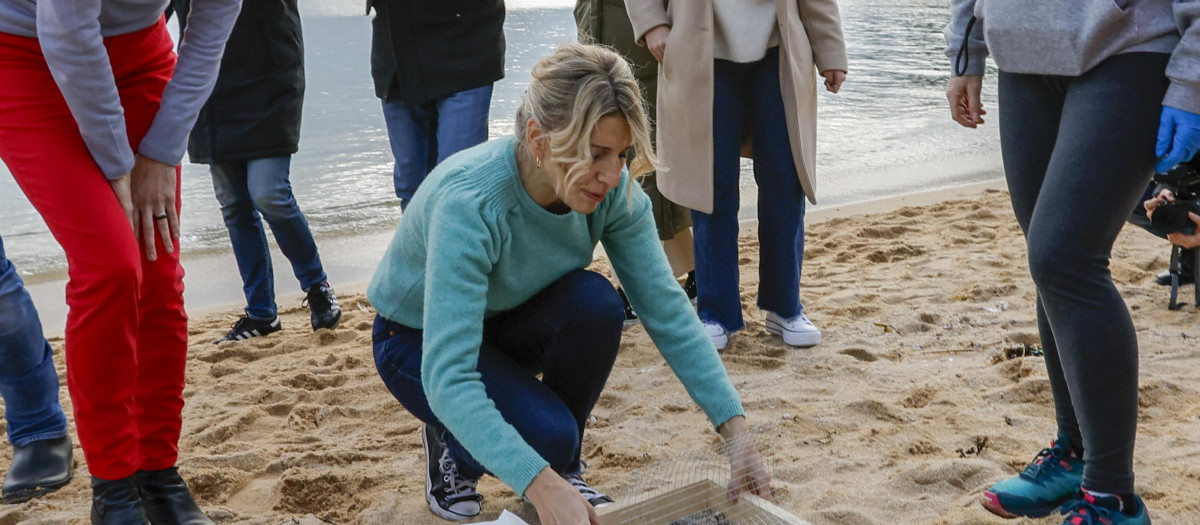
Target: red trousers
x=126 y=333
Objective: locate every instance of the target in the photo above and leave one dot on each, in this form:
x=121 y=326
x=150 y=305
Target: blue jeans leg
x=248 y=237
x=780 y=196
x=28 y=381
x=715 y=245
x=422 y=135
x=271 y=191
x=569 y=332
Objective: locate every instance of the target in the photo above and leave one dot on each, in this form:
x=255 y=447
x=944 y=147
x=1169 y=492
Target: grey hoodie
x=1069 y=37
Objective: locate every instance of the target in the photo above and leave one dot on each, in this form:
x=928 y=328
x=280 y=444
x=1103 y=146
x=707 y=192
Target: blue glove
x=1178 y=138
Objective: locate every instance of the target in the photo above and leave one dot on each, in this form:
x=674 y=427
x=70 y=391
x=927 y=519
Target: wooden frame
x=701 y=495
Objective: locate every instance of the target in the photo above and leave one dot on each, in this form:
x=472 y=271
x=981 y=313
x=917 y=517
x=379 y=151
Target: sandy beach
x=911 y=405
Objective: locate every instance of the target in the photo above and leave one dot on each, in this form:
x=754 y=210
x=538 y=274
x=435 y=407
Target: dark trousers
x=747 y=96
x=569 y=332
x=1078 y=153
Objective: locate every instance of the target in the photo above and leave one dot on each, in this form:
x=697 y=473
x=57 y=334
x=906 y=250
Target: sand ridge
x=911 y=405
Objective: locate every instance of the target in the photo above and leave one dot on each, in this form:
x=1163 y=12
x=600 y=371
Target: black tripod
x=1176 y=263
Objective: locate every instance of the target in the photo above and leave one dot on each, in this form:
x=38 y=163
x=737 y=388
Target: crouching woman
x=484 y=287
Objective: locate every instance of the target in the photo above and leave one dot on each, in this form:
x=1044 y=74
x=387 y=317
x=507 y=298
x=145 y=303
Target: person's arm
x=69 y=34
x=201 y=44
x=461 y=250
x=1179 y=126
x=631 y=242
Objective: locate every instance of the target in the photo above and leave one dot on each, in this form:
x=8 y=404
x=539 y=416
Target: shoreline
x=212 y=284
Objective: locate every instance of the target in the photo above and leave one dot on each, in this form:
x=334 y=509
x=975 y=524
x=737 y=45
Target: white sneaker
x=717 y=334
x=797 y=331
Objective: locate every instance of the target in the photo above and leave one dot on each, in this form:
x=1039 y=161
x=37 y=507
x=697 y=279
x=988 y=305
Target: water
x=887 y=132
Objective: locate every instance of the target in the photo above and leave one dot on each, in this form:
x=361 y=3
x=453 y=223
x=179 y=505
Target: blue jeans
x=749 y=93
x=1078 y=153
x=569 y=332
x=28 y=381
x=259 y=189
x=424 y=135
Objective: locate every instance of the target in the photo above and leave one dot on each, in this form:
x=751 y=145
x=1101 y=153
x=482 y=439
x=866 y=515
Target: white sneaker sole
x=801 y=339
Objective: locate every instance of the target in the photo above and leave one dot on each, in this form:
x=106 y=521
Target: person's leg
x=462 y=121
x=410 y=132
x=780 y=197
x=1102 y=161
x=28 y=381
x=271 y=192
x=54 y=169
x=249 y=239
x=716 y=234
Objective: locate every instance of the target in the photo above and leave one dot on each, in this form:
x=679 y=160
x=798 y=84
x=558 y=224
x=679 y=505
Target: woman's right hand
x=656 y=41
x=963 y=94
x=120 y=188
x=557 y=502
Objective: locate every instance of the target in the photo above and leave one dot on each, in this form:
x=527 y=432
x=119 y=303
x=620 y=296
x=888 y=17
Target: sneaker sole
x=991 y=502
x=792 y=338
x=436 y=509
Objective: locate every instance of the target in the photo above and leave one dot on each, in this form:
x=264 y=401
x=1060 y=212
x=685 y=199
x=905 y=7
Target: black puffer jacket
x=254 y=111
x=423 y=50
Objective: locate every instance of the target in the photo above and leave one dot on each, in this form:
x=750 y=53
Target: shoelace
x=458 y=487
x=1083 y=512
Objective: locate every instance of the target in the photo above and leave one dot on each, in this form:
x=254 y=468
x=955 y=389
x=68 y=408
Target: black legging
x=1078 y=153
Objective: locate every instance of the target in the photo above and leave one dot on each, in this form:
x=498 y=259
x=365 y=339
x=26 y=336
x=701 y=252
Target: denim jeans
x=28 y=381
x=569 y=332
x=424 y=135
x=1078 y=153
x=249 y=192
x=748 y=94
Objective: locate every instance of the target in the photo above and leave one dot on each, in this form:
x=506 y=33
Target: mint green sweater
x=473 y=243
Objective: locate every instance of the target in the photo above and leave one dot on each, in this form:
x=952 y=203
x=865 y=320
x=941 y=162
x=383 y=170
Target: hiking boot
x=245 y=328
x=797 y=331
x=717 y=334
x=1105 y=509
x=1053 y=478
x=450 y=496
x=323 y=306
x=631 y=318
x=596 y=498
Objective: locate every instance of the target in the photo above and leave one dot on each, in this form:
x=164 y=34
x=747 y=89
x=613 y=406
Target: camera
x=1184 y=180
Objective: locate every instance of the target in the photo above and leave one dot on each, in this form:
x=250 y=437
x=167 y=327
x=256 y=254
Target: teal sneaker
x=1092 y=509
x=1052 y=479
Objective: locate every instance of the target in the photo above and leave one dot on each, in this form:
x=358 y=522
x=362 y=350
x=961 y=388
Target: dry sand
x=902 y=415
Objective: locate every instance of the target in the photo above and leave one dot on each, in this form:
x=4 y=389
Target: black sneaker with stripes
x=245 y=328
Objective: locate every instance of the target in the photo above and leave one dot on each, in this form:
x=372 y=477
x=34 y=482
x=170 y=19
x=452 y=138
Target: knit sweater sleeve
x=631 y=242
x=1184 y=67
x=462 y=247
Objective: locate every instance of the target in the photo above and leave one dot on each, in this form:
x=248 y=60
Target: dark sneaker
x=689 y=286
x=323 y=307
x=631 y=317
x=1052 y=479
x=450 y=495
x=245 y=328
x=596 y=498
x=1097 y=509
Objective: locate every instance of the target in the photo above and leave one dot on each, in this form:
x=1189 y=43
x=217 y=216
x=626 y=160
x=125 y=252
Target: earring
x=539 y=162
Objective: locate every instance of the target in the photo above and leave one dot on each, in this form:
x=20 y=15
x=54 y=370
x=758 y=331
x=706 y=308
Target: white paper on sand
x=506 y=518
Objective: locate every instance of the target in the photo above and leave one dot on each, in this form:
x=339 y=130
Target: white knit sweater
x=745 y=29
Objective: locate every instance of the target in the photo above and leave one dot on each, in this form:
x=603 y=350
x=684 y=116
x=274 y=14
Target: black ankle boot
x=38 y=468
x=116 y=502
x=167 y=500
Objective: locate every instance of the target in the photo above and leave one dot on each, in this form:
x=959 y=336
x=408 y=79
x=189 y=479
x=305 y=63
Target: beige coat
x=811 y=35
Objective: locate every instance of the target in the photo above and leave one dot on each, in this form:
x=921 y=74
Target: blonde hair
x=571 y=91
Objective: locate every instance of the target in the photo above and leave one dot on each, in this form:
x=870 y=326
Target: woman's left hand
x=747 y=473
x=152 y=186
x=834 y=79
